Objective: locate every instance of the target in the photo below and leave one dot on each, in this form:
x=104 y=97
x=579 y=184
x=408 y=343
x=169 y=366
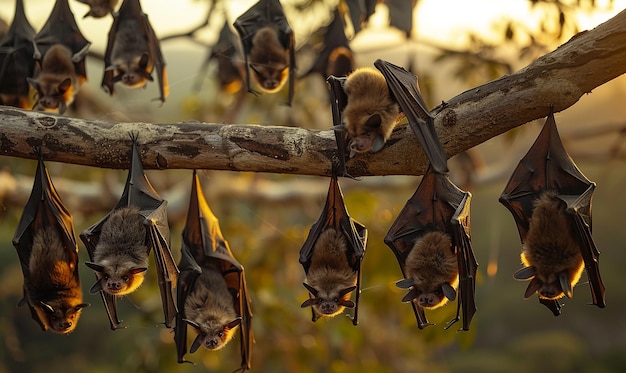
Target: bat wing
x=401 y=14
x=43 y=209
x=360 y=12
x=547 y=166
x=261 y=14
x=405 y=90
x=139 y=192
x=205 y=246
x=438 y=205
x=16 y=57
x=61 y=28
x=334 y=215
x=338 y=102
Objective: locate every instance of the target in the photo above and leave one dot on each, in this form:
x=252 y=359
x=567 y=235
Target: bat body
x=431 y=241
x=370 y=114
x=121 y=255
x=53 y=288
x=133 y=51
x=268 y=45
x=16 y=60
x=59 y=53
x=330 y=278
x=57 y=83
x=210 y=309
x=119 y=244
x=550 y=200
x=431 y=268
x=551 y=254
x=331 y=258
x=48 y=253
x=212 y=295
x=99 y=8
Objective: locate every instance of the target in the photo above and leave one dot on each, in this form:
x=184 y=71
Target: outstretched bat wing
x=405 y=90
x=547 y=166
x=334 y=215
x=205 y=246
x=61 y=28
x=138 y=192
x=261 y=14
x=438 y=205
x=16 y=59
x=43 y=209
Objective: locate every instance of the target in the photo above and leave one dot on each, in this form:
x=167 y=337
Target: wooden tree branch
x=559 y=78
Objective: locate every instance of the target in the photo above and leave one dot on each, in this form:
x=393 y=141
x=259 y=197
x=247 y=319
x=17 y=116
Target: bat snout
x=212 y=343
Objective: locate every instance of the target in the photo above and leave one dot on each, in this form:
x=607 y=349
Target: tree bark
x=558 y=79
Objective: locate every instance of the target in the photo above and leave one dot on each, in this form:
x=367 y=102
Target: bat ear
x=65 y=85
x=377 y=144
x=96 y=287
x=96 y=267
x=405 y=283
x=309 y=302
x=448 y=291
x=566 y=286
x=81 y=306
x=347 y=290
x=48 y=308
x=143 y=62
x=412 y=294
x=535 y=284
x=346 y=303
x=233 y=324
x=525 y=273
x=196 y=343
x=373 y=122
x=310 y=288
x=136 y=270
x=193 y=324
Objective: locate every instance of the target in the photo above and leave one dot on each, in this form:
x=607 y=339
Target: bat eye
x=220 y=334
x=336 y=300
x=125 y=278
x=106 y=277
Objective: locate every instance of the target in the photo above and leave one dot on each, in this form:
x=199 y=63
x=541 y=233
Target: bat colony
x=549 y=198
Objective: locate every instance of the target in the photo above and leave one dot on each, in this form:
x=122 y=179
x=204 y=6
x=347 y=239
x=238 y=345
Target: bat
x=99 y=8
x=212 y=295
x=431 y=241
x=268 y=45
x=117 y=235
x=46 y=246
x=133 y=51
x=550 y=200
x=331 y=257
x=335 y=57
x=359 y=12
x=16 y=60
x=59 y=53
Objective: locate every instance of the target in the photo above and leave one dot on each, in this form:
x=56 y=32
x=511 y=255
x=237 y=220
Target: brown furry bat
x=431 y=269
x=330 y=278
x=121 y=255
x=99 y=8
x=57 y=83
x=551 y=254
x=370 y=114
x=209 y=308
x=268 y=60
x=52 y=288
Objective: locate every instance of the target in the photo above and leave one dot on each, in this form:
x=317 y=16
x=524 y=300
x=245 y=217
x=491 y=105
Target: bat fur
x=431 y=268
x=99 y=8
x=370 y=114
x=57 y=83
x=52 y=288
x=131 y=60
x=209 y=308
x=121 y=255
x=268 y=60
x=330 y=278
x=551 y=254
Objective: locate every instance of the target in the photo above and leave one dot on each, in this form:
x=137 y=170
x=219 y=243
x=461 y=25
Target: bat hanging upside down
x=330 y=279
x=121 y=255
x=431 y=270
x=269 y=60
x=53 y=288
x=209 y=308
x=551 y=255
x=371 y=113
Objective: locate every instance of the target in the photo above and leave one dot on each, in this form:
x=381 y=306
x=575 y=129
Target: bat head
x=134 y=72
x=99 y=8
x=116 y=279
x=269 y=60
x=60 y=315
x=329 y=300
x=213 y=334
x=429 y=296
x=548 y=286
x=370 y=114
x=54 y=93
x=271 y=76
